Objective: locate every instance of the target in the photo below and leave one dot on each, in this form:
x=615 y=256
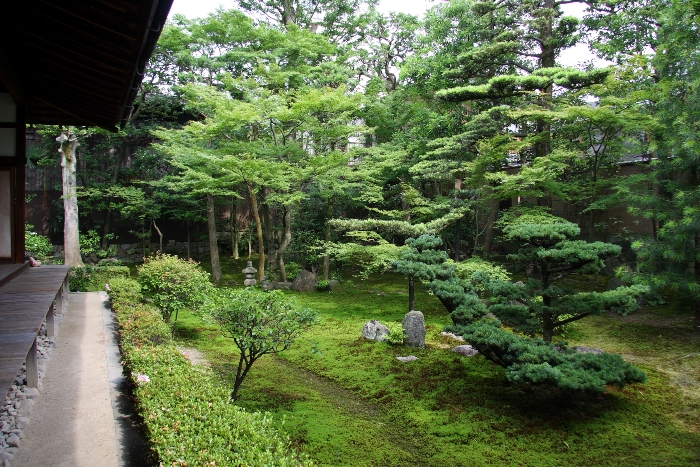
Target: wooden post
x=32 y=367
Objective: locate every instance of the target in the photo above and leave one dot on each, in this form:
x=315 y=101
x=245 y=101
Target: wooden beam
x=107 y=126
x=73 y=12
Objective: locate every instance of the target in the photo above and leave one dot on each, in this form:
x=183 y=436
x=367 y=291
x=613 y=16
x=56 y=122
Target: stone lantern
x=249 y=272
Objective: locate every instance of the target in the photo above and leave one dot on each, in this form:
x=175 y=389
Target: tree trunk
x=235 y=232
x=284 y=243
x=490 y=224
x=258 y=226
x=267 y=232
x=325 y=271
x=458 y=239
x=115 y=177
x=411 y=295
x=71 y=239
x=160 y=236
x=213 y=245
x=458 y=225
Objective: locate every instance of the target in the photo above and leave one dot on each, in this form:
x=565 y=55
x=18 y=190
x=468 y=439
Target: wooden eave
x=78 y=62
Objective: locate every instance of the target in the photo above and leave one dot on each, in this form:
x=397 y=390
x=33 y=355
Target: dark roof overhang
x=78 y=62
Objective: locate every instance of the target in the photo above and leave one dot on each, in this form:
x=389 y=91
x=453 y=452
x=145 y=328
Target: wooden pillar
x=20 y=184
x=32 y=367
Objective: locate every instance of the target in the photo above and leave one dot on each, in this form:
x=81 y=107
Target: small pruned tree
x=173 y=284
x=547 y=248
x=534 y=362
x=422 y=261
x=259 y=323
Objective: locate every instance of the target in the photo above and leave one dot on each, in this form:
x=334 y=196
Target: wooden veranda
x=62 y=62
x=25 y=302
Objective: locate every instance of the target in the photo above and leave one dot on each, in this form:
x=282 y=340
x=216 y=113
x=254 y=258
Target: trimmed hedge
x=189 y=417
x=94 y=278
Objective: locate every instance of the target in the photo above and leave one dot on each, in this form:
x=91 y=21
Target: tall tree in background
x=69 y=159
x=515 y=74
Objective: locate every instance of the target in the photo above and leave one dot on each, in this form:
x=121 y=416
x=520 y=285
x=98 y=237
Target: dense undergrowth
x=188 y=416
x=346 y=402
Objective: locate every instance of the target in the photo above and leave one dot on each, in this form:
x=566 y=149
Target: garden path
x=82 y=416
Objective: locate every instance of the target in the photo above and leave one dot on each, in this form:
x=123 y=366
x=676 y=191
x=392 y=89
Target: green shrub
x=323 y=285
x=127 y=289
x=94 y=278
x=259 y=323
x=396 y=333
x=292 y=269
x=173 y=283
x=188 y=417
x=37 y=246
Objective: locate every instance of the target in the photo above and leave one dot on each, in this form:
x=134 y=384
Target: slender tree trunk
x=115 y=177
x=250 y=241
x=458 y=226
x=411 y=294
x=160 y=236
x=284 y=243
x=258 y=226
x=71 y=239
x=325 y=271
x=490 y=224
x=458 y=239
x=213 y=244
x=235 y=232
x=267 y=232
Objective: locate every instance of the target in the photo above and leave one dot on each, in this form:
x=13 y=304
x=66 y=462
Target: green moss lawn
x=347 y=402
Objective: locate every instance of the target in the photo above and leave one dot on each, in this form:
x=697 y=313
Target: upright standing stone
x=249 y=272
x=414 y=328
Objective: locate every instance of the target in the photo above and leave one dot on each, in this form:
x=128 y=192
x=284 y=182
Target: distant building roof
x=77 y=62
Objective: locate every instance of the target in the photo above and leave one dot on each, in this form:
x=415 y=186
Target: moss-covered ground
x=347 y=402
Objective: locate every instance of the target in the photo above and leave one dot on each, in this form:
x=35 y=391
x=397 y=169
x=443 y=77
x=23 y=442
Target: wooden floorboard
x=24 y=303
x=9 y=271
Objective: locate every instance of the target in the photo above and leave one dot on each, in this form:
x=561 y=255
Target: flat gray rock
x=410 y=358
x=465 y=350
x=593 y=350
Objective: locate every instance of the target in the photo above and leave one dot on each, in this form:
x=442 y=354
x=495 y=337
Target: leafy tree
x=367 y=250
x=546 y=246
x=260 y=323
x=643 y=38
